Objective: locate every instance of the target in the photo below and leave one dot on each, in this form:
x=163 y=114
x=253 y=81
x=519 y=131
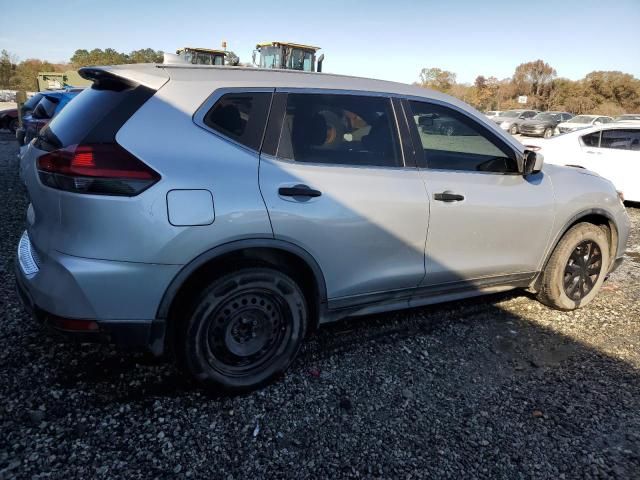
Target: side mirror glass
x=532 y=162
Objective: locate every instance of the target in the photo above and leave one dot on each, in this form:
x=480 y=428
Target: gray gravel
x=497 y=387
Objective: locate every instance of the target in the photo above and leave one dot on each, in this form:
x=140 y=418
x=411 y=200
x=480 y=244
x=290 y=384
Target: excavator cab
x=288 y=56
x=202 y=56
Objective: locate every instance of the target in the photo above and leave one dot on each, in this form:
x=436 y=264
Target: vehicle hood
x=542 y=123
x=504 y=119
x=573 y=125
x=552 y=170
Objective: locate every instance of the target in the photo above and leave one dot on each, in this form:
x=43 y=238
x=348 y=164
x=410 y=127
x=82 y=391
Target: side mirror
x=532 y=162
x=598 y=122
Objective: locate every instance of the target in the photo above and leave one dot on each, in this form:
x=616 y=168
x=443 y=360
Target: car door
x=614 y=153
x=486 y=220
x=333 y=178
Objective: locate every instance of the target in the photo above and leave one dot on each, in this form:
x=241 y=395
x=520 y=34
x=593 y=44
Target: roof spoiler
x=126 y=76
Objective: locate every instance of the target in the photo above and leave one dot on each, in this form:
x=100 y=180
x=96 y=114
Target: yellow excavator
x=202 y=56
x=288 y=56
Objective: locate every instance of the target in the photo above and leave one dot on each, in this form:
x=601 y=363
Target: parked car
x=627 y=118
x=49 y=105
x=31 y=103
x=512 y=119
x=222 y=214
x=543 y=124
x=492 y=113
x=583 y=121
x=9 y=119
x=611 y=150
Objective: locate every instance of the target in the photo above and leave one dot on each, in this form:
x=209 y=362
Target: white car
x=492 y=113
x=582 y=121
x=628 y=118
x=612 y=151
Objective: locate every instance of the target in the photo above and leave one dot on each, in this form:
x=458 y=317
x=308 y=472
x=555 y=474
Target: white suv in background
x=583 y=121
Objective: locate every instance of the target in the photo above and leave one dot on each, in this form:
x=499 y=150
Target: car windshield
x=580 y=119
x=546 y=116
x=510 y=113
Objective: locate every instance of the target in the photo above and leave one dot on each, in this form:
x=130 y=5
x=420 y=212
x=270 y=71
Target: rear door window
x=591 y=140
x=340 y=130
x=240 y=116
x=621 y=139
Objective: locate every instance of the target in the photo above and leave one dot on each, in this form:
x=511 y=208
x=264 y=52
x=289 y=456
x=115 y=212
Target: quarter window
x=241 y=117
x=340 y=130
x=627 y=139
x=453 y=141
x=591 y=140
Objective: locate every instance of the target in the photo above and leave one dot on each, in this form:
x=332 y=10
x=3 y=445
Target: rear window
x=94 y=116
x=241 y=117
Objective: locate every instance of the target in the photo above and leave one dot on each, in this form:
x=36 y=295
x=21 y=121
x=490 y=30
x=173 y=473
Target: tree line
x=599 y=92
x=15 y=75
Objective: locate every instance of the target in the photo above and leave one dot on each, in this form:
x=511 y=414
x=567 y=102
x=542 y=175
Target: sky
x=391 y=40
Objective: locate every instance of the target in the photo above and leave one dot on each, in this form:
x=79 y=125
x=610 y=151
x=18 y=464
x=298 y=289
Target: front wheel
x=245 y=329
x=548 y=133
x=13 y=125
x=577 y=268
x=513 y=130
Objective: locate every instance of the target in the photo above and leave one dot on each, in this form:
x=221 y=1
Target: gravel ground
x=498 y=387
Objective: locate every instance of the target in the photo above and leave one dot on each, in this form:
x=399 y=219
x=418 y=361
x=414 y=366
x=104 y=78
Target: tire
x=577 y=268
x=513 y=130
x=548 y=133
x=244 y=330
x=13 y=125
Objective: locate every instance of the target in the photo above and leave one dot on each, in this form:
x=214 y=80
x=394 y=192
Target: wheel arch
x=595 y=216
x=282 y=255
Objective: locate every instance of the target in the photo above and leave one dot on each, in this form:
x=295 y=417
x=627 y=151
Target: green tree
x=535 y=79
x=7 y=69
x=437 y=79
x=145 y=55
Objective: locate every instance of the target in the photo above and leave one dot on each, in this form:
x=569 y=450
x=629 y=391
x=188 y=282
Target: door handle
x=594 y=153
x=448 y=197
x=299 y=191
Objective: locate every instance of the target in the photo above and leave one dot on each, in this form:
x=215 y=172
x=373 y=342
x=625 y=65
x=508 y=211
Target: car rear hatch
x=76 y=155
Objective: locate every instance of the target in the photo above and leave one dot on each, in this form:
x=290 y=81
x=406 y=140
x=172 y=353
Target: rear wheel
x=245 y=329
x=577 y=268
x=513 y=130
x=548 y=133
x=13 y=125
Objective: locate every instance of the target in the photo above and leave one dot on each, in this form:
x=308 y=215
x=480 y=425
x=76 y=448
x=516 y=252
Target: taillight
x=101 y=169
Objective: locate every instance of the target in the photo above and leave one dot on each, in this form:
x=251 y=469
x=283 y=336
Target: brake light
x=103 y=169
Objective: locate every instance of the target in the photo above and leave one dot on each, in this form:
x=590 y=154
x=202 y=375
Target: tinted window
x=94 y=116
x=453 y=141
x=240 y=116
x=339 y=129
x=621 y=139
x=591 y=140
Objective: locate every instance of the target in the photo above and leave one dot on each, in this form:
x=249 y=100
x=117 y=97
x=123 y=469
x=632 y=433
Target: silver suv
x=221 y=214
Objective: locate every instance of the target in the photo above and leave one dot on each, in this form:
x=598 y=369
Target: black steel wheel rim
x=582 y=270
x=246 y=331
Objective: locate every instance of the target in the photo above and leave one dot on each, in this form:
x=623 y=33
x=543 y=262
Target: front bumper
x=94 y=300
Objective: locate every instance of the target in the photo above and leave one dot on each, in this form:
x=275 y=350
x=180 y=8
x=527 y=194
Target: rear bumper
x=144 y=334
x=96 y=300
